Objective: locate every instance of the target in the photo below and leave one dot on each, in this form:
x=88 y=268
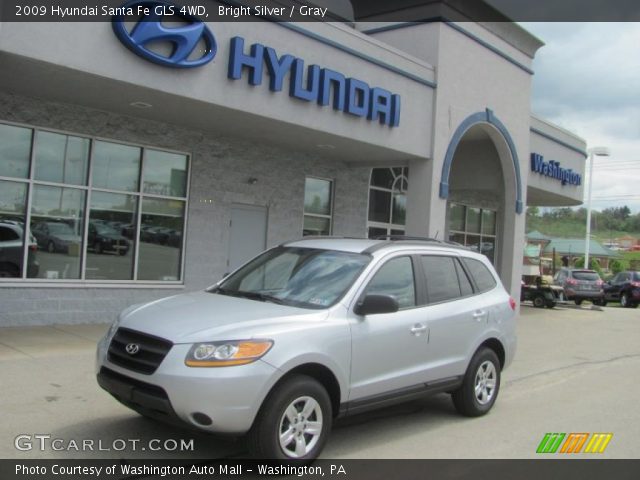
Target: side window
x=395 y=278
x=465 y=284
x=442 y=278
x=7 y=234
x=481 y=274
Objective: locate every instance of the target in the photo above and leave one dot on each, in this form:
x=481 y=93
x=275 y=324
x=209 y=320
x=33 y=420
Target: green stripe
x=550 y=442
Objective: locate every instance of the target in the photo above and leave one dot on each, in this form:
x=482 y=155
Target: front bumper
x=227 y=397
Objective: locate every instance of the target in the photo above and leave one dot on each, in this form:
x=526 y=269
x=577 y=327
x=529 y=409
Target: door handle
x=418 y=329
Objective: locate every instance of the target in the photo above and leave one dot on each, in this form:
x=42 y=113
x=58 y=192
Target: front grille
x=152 y=351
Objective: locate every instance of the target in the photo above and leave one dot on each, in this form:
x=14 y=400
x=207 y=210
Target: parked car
x=580 y=284
x=11 y=253
x=55 y=236
x=623 y=288
x=312 y=330
x=103 y=238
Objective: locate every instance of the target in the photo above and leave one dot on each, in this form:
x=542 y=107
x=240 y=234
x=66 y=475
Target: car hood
x=203 y=316
x=68 y=238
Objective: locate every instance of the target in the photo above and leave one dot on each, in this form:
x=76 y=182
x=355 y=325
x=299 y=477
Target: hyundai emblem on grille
x=132 y=348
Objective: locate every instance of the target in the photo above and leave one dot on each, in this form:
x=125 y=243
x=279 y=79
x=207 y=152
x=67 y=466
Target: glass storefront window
x=161 y=239
x=109 y=252
x=165 y=174
x=80 y=228
x=387 y=201
x=318 y=196
x=13 y=200
x=474 y=227
x=15 y=150
x=61 y=158
x=57 y=223
x=115 y=166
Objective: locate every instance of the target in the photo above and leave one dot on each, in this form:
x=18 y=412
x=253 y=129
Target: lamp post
x=600 y=152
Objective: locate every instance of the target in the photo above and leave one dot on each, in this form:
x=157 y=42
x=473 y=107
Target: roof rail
x=405 y=237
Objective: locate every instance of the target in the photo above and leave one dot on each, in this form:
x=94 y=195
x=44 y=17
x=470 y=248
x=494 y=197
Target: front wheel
x=578 y=301
x=539 y=301
x=294 y=421
x=624 y=301
x=480 y=386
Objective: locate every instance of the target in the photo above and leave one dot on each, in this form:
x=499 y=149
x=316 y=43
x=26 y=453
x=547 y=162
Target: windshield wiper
x=263 y=297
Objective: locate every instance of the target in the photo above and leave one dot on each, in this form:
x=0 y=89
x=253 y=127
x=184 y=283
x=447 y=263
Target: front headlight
x=225 y=354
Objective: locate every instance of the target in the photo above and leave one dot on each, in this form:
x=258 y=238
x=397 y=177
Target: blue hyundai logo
x=183 y=40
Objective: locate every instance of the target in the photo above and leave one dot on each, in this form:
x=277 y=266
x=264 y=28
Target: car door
x=457 y=316
x=389 y=350
x=618 y=284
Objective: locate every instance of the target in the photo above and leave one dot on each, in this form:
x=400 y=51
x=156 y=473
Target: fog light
x=201 y=419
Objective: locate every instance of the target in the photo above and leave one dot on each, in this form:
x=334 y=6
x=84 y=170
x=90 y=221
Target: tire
x=578 y=301
x=550 y=304
x=483 y=371
x=51 y=248
x=624 y=301
x=97 y=247
x=283 y=412
x=600 y=303
x=9 y=270
x=539 y=301
x=122 y=253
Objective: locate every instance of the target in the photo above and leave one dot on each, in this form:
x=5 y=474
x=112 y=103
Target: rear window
x=635 y=276
x=586 y=275
x=480 y=273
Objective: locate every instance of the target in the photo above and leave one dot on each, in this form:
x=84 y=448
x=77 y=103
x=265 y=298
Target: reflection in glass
x=161 y=239
x=13 y=197
x=377 y=232
x=456 y=217
x=379 y=206
x=61 y=158
x=316 y=226
x=473 y=220
x=488 y=222
x=115 y=166
x=57 y=224
x=15 y=149
x=399 y=208
x=165 y=173
x=382 y=177
x=317 y=196
x=109 y=253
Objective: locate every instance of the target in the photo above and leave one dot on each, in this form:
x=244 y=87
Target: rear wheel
x=294 y=421
x=539 y=301
x=480 y=386
x=97 y=248
x=51 y=248
x=578 y=301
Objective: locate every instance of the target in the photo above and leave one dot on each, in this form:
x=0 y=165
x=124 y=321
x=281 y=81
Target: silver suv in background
x=580 y=284
x=312 y=330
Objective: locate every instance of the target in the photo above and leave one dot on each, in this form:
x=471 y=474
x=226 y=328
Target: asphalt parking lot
x=576 y=370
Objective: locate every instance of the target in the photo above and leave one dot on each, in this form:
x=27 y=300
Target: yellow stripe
x=607 y=437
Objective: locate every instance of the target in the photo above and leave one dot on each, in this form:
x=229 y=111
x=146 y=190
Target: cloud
x=588 y=80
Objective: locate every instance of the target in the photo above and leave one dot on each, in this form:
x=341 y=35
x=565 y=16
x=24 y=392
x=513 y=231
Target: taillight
x=571 y=281
x=33 y=247
x=512 y=304
x=635 y=284
x=599 y=282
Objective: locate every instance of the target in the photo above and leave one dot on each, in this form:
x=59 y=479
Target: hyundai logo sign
x=132 y=348
x=190 y=45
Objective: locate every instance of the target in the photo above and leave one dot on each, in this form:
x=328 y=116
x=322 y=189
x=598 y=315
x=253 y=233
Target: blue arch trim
x=481 y=117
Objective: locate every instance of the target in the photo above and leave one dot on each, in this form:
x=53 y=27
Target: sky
x=587 y=80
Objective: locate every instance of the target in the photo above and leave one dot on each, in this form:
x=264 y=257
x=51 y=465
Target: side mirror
x=376 y=304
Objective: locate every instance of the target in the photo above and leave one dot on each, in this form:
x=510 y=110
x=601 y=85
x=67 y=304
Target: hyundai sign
x=193 y=45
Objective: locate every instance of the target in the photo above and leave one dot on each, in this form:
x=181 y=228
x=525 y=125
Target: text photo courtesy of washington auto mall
x=350 y=239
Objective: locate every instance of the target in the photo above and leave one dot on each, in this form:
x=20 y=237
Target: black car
x=623 y=288
x=55 y=236
x=11 y=234
x=103 y=238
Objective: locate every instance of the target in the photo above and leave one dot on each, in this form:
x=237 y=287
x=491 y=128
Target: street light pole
x=600 y=152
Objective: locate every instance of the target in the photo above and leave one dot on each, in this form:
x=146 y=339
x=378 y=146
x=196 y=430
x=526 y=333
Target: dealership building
x=140 y=178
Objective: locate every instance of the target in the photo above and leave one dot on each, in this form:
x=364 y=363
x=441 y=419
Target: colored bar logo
x=574 y=442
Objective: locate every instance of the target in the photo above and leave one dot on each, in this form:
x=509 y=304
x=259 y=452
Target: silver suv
x=313 y=330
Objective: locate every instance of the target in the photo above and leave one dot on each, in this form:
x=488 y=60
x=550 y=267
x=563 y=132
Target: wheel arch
x=497 y=346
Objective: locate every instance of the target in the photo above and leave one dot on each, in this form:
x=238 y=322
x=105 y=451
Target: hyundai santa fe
x=313 y=330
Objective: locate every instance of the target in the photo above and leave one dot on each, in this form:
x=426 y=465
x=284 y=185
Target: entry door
x=247 y=234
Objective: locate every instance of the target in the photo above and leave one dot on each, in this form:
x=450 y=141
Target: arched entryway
x=482 y=185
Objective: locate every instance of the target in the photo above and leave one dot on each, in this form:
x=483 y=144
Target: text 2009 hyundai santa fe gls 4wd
x=312 y=330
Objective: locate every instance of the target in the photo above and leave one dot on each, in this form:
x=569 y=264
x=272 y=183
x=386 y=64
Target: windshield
x=105 y=230
x=301 y=277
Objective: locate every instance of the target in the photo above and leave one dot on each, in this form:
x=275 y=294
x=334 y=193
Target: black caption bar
x=328 y=10
x=547 y=469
